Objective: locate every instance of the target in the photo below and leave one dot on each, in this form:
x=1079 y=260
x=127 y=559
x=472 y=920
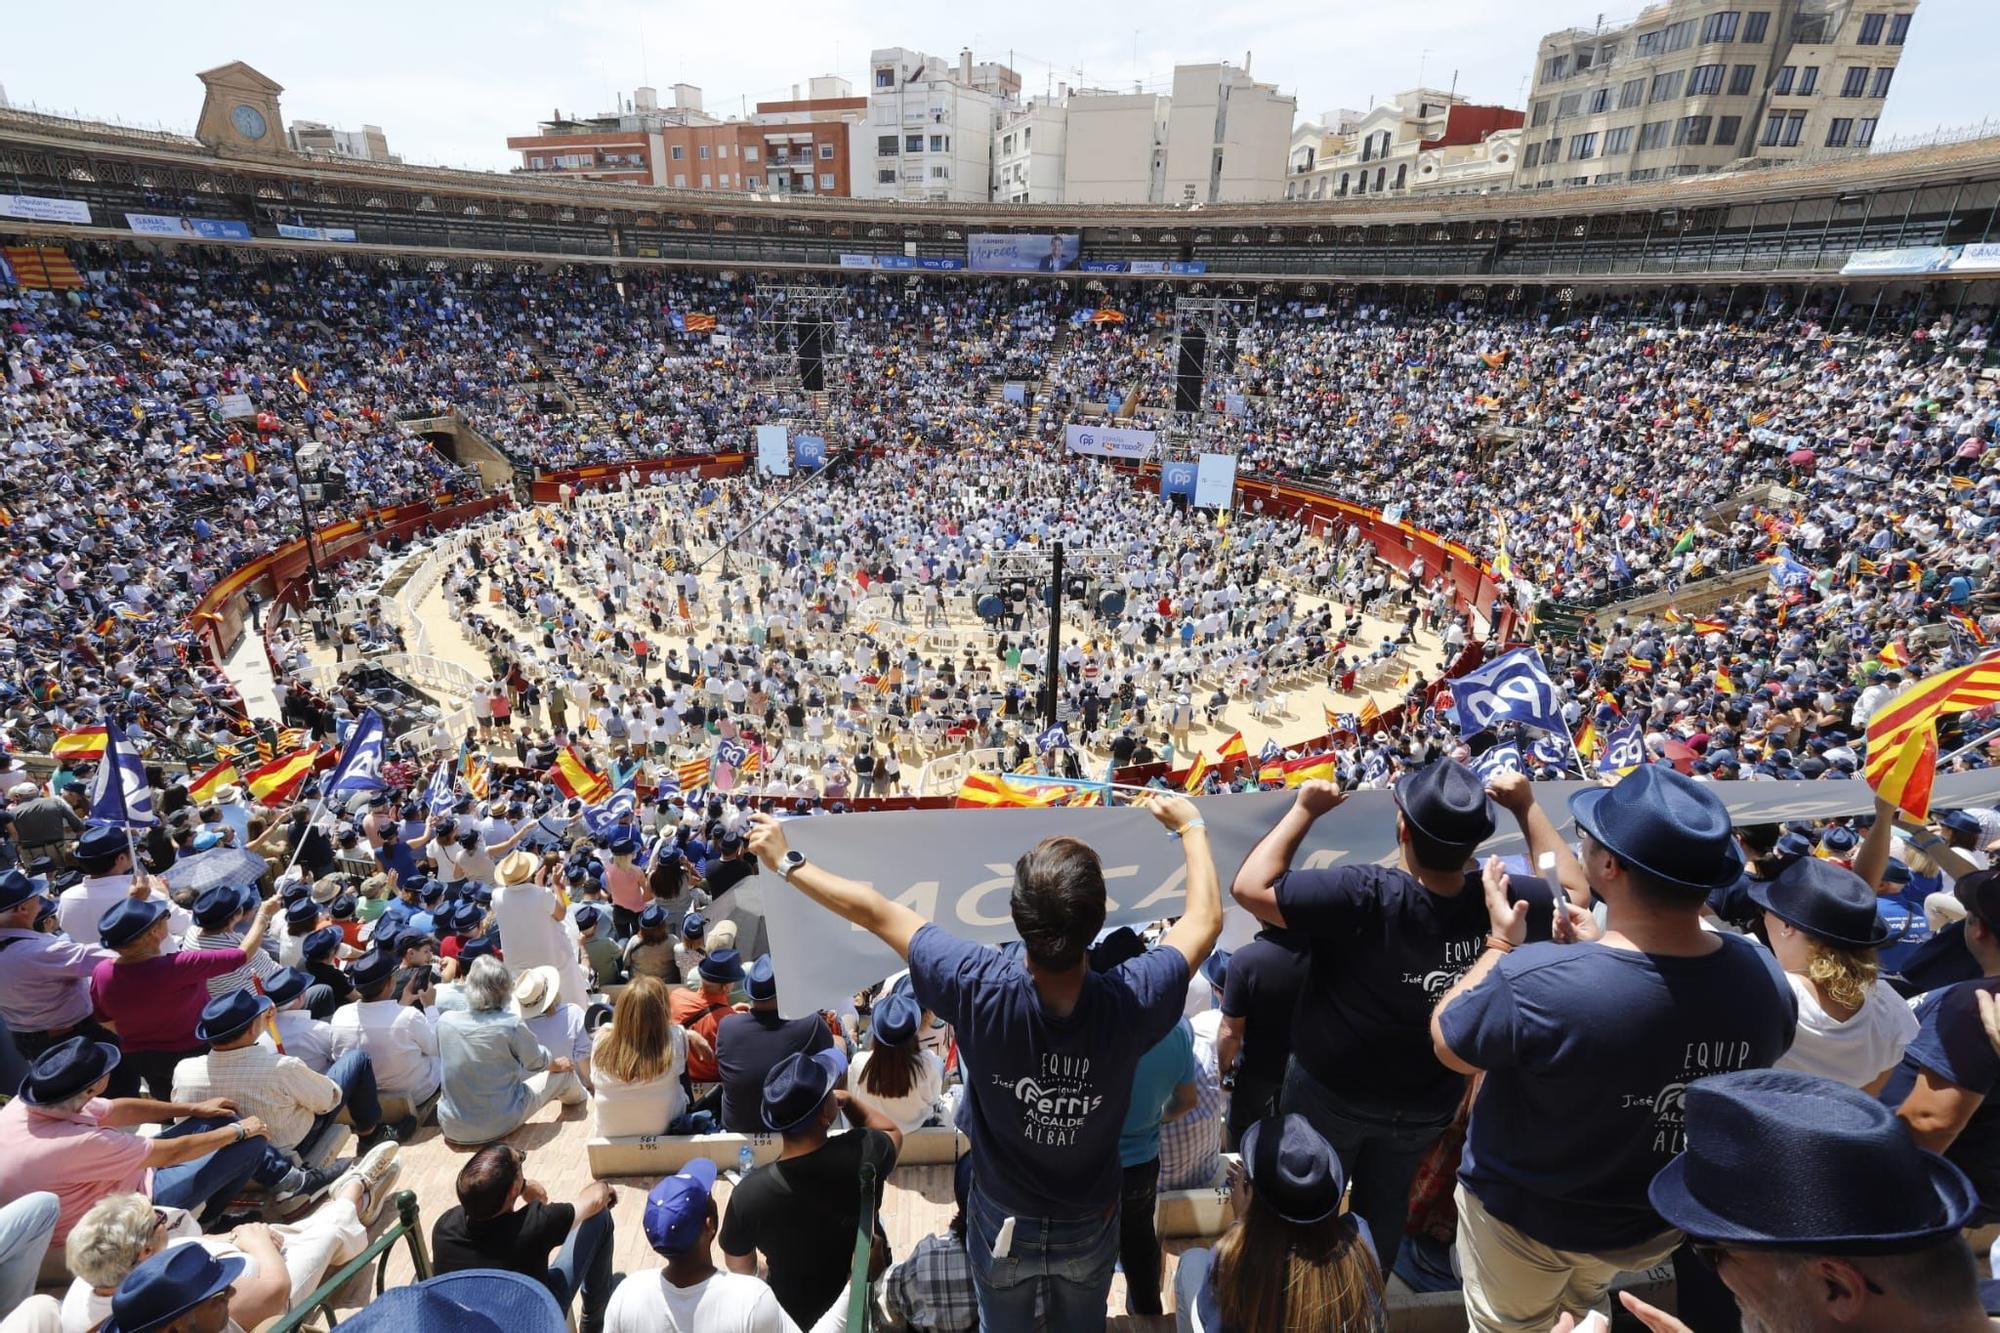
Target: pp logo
x=1086 y=439
x=1180 y=475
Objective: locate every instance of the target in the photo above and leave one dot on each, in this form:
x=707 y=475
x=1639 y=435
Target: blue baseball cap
x=677 y=1208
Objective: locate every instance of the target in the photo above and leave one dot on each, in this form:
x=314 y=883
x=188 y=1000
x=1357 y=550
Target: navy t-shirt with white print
x=1383 y=951
x=1588 y=1051
x=1045 y=1097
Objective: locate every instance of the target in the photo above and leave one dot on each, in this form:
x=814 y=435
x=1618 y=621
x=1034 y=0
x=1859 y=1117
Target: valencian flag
x=208 y=784
x=1196 y=773
x=693 y=775
x=691 y=322
x=992 y=791
x=1371 y=716
x=1902 y=734
x=574 y=777
x=83 y=743
x=277 y=779
x=1893 y=655
x=1106 y=315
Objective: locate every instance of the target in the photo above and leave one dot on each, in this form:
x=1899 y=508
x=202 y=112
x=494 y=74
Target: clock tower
x=240 y=112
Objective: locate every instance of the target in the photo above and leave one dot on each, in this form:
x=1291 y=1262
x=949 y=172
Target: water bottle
x=746 y=1158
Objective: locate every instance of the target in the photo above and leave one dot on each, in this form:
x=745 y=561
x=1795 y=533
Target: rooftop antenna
x=645 y=73
x=1422 y=57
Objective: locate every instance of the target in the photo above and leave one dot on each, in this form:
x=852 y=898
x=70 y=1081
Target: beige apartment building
x=1691 y=86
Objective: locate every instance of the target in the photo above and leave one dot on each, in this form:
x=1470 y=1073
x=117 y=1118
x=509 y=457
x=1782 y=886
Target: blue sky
x=449 y=81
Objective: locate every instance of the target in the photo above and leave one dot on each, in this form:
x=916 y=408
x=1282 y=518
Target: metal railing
x=320 y=1303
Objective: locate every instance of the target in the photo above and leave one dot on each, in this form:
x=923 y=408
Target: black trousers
x=1138 y=1242
x=156 y=1069
x=1253 y=1098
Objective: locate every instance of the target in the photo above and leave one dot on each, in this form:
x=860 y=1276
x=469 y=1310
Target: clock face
x=249 y=122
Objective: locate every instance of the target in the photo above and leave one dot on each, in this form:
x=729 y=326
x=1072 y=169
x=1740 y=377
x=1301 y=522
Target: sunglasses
x=1713 y=1255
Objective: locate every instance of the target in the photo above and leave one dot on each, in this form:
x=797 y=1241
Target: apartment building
x=1115 y=148
x=367 y=144
x=1228 y=136
x=1691 y=86
x=930 y=126
x=1029 y=151
x=1425 y=140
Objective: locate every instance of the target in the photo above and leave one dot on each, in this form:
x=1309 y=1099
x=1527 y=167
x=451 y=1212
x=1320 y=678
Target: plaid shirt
x=932 y=1289
x=1191 y=1147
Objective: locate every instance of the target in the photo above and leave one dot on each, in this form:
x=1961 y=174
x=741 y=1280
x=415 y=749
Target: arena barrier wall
x=547 y=486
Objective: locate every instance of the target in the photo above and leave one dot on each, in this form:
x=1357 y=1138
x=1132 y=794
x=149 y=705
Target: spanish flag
x=1197 y=773
x=1586 y=741
x=1902 y=734
x=1308 y=767
x=1962 y=483
x=1710 y=627
x=83 y=743
x=204 y=787
x=1639 y=664
x=1233 y=748
x=1723 y=684
x=574 y=777
x=1893 y=655
x=692 y=774
x=281 y=777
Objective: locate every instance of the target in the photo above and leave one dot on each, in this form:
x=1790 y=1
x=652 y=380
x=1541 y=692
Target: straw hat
x=516 y=868
x=538 y=990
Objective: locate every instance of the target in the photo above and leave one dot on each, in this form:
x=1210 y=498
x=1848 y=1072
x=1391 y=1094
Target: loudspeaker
x=812 y=345
x=1188 y=375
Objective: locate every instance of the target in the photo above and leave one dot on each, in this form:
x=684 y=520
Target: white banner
x=774 y=451
x=235 y=405
x=956 y=867
x=1215 y=481
x=41 y=208
x=1979 y=257
x=1109 y=441
x=297 y=233
x=1908 y=259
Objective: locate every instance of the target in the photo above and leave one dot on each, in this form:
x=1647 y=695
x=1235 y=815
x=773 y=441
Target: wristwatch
x=791 y=861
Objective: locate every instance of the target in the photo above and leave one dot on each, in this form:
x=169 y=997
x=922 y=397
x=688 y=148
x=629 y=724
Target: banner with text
x=956 y=867
x=1978 y=257
x=809 y=452
x=297 y=233
x=208 y=229
x=1907 y=259
x=774 y=451
x=1215 y=481
x=1003 y=252
x=41 y=208
x=1110 y=441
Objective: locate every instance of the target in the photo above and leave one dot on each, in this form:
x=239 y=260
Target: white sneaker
x=377 y=1172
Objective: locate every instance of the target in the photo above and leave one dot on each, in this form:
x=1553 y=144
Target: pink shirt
x=627 y=886
x=156 y=1004
x=69 y=1155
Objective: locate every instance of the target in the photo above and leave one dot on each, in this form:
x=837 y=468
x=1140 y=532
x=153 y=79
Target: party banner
x=1010 y=252
x=956 y=867
x=1110 y=441
x=809 y=452
x=774 y=454
x=1177 y=479
x=1215 y=481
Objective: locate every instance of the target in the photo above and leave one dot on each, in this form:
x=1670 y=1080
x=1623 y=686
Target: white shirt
x=914 y=1107
x=524 y=915
x=629 y=1110
x=723 y=1303
x=1853 y=1051
x=401 y=1043
x=308 y=1038
x=82 y=906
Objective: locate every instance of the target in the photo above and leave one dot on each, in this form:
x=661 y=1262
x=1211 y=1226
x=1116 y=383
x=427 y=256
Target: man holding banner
x=1052 y=1048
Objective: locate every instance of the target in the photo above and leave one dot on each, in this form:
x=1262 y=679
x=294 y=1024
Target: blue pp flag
x=360 y=766
x=1787 y=573
x=1549 y=750
x=1500 y=759
x=611 y=811
x=1055 y=738
x=1513 y=687
x=732 y=753
x=1624 y=751
x=1177 y=479
x=119 y=795
x=441 y=796
x=809 y=452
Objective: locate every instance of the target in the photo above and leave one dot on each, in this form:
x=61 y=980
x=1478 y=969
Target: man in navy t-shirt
x=1050 y=1050
x=1588 y=1047
x=1382 y=944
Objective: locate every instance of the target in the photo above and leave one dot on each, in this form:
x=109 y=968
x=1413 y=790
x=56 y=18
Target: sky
x=449 y=80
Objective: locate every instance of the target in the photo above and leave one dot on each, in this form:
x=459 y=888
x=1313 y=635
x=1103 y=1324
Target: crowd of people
x=1677 y=1041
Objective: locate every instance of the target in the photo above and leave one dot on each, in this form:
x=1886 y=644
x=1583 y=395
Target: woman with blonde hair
x=636 y=1064
x=1292 y=1262
x=1822 y=926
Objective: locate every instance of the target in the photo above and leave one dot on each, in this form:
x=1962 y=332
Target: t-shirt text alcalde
x=1046 y=1096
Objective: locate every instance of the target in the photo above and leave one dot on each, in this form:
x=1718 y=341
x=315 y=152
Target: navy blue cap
x=101 y=842
x=895 y=1019
x=127 y=919
x=653 y=917
x=67 y=1068
x=587 y=918
x=285 y=985
x=16 y=888
x=724 y=965
x=230 y=1015
x=797 y=1087
x=321 y=943
x=167 y=1286
x=371 y=967
x=761 y=981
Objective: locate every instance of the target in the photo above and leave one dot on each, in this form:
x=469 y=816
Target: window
x=826 y=152
x=1754 y=26
x=1401 y=168
x=1535 y=148
x=702 y=152
x=1773 y=127
x=723 y=180
x=1705 y=80
x=1556 y=67
x=1666 y=87
x=940 y=173
x=885 y=78
x=1584 y=59
x=1720 y=27
x=1643 y=174
x=913 y=143
x=940 y=143
x=1808 y=80
x=1600 y=101
x=1541 y=113
x=885 y=176
x=750 y=153
x=1027 y=136
x=1856 y=82
x=757 y=182
x=1795 y=124
x=1678 y=36
x=1899 y=28
x=1360 y=182
x=1727 y=131
x=1649 y=44
x=1378 y=178
x=805 y=183
x=680 y=181
x=1570 y=104
x=1631 y=93
x=1740 y=79
x=1552 y=152
x=826 y=180
x=1582 y=146
x=1838 y=130
x=1530 y=160
x=1871 y=29
x=678 y=152
x=1653 y=134
x=722 y=151
x=1782 y=85
x=1618 y=141
x=1864 y=131
x=1882 y=77
x=885 y=145
x=1692 y=130
x=707 y=182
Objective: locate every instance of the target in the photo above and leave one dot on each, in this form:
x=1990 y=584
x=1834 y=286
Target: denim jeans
x=1057 y=1273
x=1379 y=1147
x=584 y=1264
x=207 y=1182
x=1138 y=1241
x=26 y=1225
x=356 y=1077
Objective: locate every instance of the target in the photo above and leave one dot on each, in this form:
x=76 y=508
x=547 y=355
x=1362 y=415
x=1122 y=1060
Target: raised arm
x=892 y=923
x=1272 y=856
x=1201 y=919
x=1871 y=861
x=1512 y=793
